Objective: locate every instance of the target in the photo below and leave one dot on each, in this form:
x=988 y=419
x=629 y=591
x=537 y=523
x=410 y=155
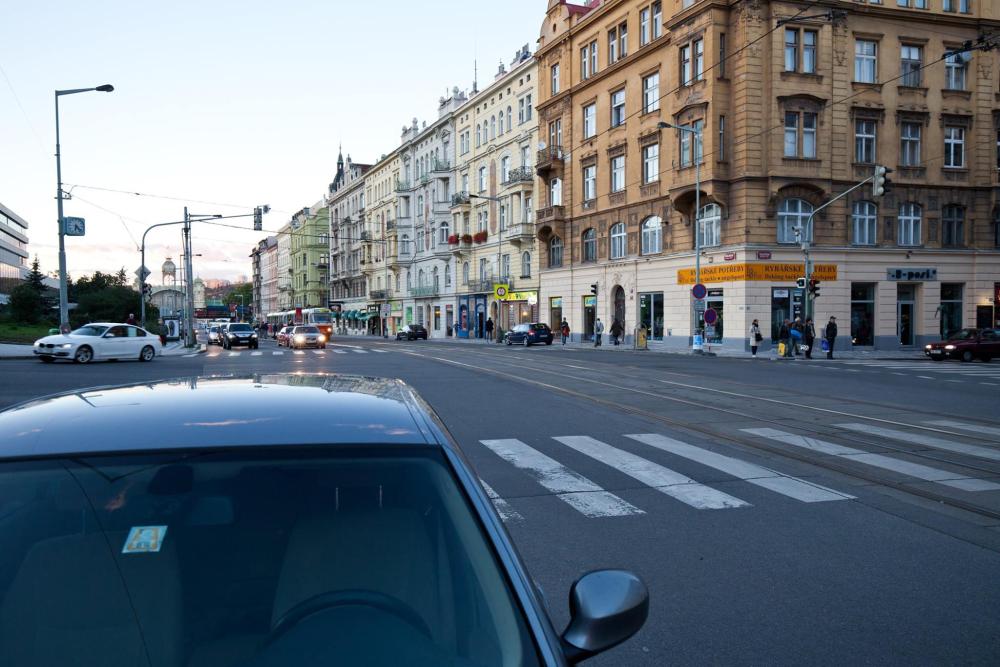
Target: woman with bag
x=755 y=338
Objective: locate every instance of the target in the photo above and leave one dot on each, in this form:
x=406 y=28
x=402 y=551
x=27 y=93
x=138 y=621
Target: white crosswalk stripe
x=662 y=479
x=915 y=470
x=974 y=428
x=339 y=351
x=506 y=512
x=571 y=487
x=234 y=354
x=926 y=440
x=277 y=353
x=772 y=480
x=256 y=354
x=360 y=351
x=381 y=351
x=297 y=352
x=320 y=352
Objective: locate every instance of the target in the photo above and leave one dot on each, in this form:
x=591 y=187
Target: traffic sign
x=711 y=316
x=699 y=291
x=386 y=311
x=142 y=273
x=500 y=291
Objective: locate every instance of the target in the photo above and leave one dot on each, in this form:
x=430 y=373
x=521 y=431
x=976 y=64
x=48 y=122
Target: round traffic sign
x=699 y=291
x=711 y=316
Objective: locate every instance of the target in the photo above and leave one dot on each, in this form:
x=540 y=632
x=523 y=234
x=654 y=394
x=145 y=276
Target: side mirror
x=606 y=608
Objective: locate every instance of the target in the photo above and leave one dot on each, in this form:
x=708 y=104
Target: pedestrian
x=809 y=335
x=831 y=336
x=797 y=332
x=489 y=329
x=784 y=339
x=564 y=330
x=131 y=320
x=617 y=330
x=598 y=332
x=755 y=338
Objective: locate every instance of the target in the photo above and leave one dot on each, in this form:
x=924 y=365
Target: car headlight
x=322 y=338
x=299 y=337
x=949 y=347
x=253 y=335
x=66 y=346
x=927 y=347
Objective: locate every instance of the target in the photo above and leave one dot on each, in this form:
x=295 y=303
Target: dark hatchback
x=967 y=345
x=221 y=521
x=239 y=334
x=529 y=334
x=412 y=332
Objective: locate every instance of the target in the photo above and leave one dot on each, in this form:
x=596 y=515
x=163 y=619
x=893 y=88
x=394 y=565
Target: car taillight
x=531 y=332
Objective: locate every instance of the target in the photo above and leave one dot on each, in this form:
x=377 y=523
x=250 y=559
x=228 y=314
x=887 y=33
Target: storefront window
x=437 y=318
x=951 y=308
x=713 y=334
x=651 y=314
x=555 y=311
x=786 y=303
x=862 y=314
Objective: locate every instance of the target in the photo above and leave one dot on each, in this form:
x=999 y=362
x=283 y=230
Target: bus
x=321 y=318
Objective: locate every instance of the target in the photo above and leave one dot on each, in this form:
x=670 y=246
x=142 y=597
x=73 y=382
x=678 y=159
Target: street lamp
x=499 y=250
x=696 y=328
x=63 y=298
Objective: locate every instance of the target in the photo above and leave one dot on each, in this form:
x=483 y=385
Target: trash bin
x=640 y=338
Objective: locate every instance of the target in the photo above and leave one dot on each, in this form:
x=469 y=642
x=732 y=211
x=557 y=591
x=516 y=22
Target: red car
x=284 y=336
x=966 y=344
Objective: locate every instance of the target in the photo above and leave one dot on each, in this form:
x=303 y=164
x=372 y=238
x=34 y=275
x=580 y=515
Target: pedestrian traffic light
x=593 y=288
x=881 y=184
x=814 y=287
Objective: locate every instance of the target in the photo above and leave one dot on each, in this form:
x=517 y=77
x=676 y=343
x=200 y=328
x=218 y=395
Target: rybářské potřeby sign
x=757 y=271
x=908 y=274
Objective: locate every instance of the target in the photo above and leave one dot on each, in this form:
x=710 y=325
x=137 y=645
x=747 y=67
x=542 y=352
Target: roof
x=219 y=412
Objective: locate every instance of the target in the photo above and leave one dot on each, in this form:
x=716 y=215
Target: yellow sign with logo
x=530 y=297
x=500 y=291
x=764 y=271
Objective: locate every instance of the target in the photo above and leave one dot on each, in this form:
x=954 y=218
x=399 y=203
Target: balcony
x=390 y=225
x=547 y=158
x=403 y=186
x=460 y=200
x=520 y=175
x=551 y=214
x=366 y=236
x=441 y=167
x=378 y=295
x=425 y=179
x=441 y=207
x=485 y=284
x=424 y=291
x=520 y=233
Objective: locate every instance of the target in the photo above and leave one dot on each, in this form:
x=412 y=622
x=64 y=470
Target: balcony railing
x=424 y=290
x=548 y=157
x=425 y=179
x=460 y=198
x=520 y=175
x=441 y=165
x=402 y=186
x=378 y=294
x=551 y=214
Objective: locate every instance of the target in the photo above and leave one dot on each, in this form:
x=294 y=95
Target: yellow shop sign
x=758 y=271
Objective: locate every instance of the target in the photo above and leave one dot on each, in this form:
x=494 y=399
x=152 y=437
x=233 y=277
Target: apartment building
x=309 y=256
x=493 y=233
x=346 y=255
x=13 y=251
x=283 y=262
x=784 y=106
x=383 y=271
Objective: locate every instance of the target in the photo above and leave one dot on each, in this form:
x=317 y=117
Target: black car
x=528 y=334
x=222 y=521
x=239 y=334
x=412 y=332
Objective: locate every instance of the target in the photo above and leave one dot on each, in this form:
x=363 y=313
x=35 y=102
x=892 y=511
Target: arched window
x=444 y=232
x=501 y=122
x=434 y=278
x=479 y=136
x=864 y=219
x=510 y=118
x=397 y=282
x=378 y=282
x=590 y=245
x=618 y=240
x=447 y=275
x=465 y=273
x=525 y=264
x=953 y=226
x=910 y=215
x=555 y=192
x=405 y=245
x=409 y=280
x=652 y=236
x=493 y=127
x=420 y=278
x=555 y=251
x=710 y=224
x=793 y=213
x=420 y=206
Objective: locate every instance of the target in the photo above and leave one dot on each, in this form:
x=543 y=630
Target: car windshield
x=963 y=334
x=240 y=327
x=214 y=329
x=90 y=330
x=306 y=330
x=250 y=558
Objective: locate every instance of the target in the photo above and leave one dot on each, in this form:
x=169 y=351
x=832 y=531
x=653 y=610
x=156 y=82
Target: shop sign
x=530 y=297
x=590 y=302
x=769 y=272
x=555 y=301
x=763 y=254
x=911 y=275
x=729 y=256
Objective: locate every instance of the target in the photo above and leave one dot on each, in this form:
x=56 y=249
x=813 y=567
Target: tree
x=36 y=278
x=26 y=303
x=111 y=304
x=121 y=278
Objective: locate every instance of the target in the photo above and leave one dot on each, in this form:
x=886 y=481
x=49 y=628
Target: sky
x=219 y=106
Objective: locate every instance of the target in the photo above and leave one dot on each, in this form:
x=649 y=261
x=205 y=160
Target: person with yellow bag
x=784 y=339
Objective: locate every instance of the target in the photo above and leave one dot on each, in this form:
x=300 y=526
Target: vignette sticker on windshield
x=144 y=539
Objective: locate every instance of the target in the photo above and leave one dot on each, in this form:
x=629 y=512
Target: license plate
x=937 y=352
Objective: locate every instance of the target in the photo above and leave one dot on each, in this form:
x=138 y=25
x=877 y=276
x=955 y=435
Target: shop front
x=520 y=308
x=472 y=316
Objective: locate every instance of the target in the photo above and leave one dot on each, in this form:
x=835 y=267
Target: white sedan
x=100 y=340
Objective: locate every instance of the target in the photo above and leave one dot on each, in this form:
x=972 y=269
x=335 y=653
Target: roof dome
x=169 y=268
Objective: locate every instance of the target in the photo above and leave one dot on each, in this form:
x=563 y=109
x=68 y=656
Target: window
x=617 y=107
x=526 y=210
x=482 y=179
x=721 y=65
x=525 y=264
x=447 y=274
x=500 y=126
x=657 y=20
x=951 y=308
x=555 y=133
x=954 y=72
x=721 y=150
x=612 y=46
x=686 y=65
x=910 y=62
x=651 y=93
x=792 y=214
x=963 y=6
x=915 y=4
x=800 y=50
x=443 y=236
x=710 y=225
x=865 y=61
x=618 y=173
x=618 y=240
x=505 y=169
x=909 y=148
x=864 y=141
x=909 y=224
x=623 y=40
x=590 y=182
x=555 y=251
x=589 y=121
x=692 y=62
x=404 y=245
x=644 y=27
x=864 y=220
x=503 y=217
x=685 y=148
x=479 y=136
x=952 y=226
x=482 y=218
x=593 y=57
x=798 y=143
x=650 y=163
x=585 y=63
x=699 y=59
x=998 y=149
x=504 y=268
x=483 y=273
x=493 y=128
x=525 y=156
x=590 y=245
x=520 y=110
x=699 y=127
x=527 y=108
x=652 y=236
x=555 y=78
x=555 y=192
x=954 y=147
x=465 y=275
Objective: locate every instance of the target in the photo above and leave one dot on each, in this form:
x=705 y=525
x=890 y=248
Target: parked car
x=412 y=332
x=967 y=345
x=239 y=333
x=215 y=335
x=100 y=340
x=528 y=334
x=284 y=336
x=223 y=521
x=306 y=336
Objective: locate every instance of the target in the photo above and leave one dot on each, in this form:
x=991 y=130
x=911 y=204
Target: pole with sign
x=698 y=294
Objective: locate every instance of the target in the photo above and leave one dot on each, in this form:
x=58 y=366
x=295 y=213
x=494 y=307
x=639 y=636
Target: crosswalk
x=543 y=462
x=987 y=374
x=277 y=353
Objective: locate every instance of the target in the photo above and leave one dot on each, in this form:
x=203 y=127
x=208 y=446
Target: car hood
x=59 y=339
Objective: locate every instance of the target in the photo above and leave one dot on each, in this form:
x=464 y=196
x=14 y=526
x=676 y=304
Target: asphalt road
x=780 y=511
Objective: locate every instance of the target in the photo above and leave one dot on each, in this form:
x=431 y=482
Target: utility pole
x=188 y=277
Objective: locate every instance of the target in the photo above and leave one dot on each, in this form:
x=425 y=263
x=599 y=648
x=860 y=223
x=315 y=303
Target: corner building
x=792 y=110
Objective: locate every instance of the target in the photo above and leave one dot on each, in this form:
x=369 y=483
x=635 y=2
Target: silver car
x=215 y=335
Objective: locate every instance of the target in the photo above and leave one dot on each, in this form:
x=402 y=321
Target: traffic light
x=800 y=283
x=881 y=184
x=593 y=288
x=814 y=287
x=258 y=219
x=147 y=290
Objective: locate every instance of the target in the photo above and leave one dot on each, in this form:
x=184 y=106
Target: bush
x=27 y=304
x=110 y=304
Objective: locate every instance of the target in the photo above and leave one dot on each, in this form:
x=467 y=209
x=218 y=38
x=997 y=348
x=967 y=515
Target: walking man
x=598 y=332
x=831 y=336
x=809 y=335
x=489 y=329
x=564 y=330
x=617 y=330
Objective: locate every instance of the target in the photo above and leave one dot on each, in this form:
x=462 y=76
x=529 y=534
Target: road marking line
x=925 y=377
x=975 y=428
x=928 y=440
x=506 y=512
x=297 y=352
x=360 y=351
x=256 y=354
x=989 y=384
x=277 y=352
x=571 y=487
x=916 y=470
x=375 y=349
x=786 y=485
x=319 y=351
x=582 y=368
x=651 y=474
x=234 y=354
x=339 y=351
